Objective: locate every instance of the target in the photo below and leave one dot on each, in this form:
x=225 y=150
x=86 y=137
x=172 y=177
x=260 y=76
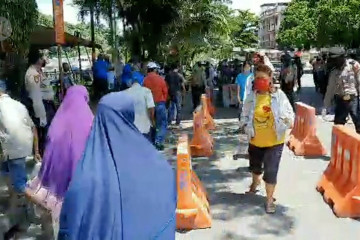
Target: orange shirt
x=158 y=87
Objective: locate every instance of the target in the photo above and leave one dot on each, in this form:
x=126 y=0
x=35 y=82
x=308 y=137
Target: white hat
x=152 y=65
x=336 y=51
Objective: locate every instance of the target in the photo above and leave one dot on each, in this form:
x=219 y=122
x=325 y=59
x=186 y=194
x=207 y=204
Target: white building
x=270 y=19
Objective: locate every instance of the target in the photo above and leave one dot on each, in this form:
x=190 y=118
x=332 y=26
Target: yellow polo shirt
x=264 y=124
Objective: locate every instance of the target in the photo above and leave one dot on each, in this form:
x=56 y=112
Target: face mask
x=262 y=84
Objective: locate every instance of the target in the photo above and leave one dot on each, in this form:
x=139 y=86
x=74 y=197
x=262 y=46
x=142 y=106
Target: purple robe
x=65 y=145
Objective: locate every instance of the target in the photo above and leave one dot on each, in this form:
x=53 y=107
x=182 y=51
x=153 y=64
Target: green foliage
x=22 y=15
x=321 y=23
x=299 y=27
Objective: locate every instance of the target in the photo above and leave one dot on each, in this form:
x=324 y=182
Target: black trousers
x=343 y=108
x=196 y=92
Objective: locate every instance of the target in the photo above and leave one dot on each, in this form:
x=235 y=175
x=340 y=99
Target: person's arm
x=288 y=117
x=36 y=144
x=238 y=93
x=165 y=90
x=150 y=105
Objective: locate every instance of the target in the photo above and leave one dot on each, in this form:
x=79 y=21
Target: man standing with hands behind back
x=157 y=85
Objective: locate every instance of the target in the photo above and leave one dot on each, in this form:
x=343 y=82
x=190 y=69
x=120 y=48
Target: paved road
x=302 y=213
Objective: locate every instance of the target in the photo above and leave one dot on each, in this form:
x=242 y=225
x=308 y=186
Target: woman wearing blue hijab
x=123 y=189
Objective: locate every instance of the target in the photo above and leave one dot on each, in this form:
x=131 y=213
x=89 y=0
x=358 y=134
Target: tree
x=321 y=23
x=22 y=15
x=339 y=23
x=299 y=27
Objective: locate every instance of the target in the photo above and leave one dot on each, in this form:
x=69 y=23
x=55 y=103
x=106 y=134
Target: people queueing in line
x=343 y=88
x=157 y=85
x=197 y=84
x=242 y=82
x=19 y=139
x=144 y=106
x=100 y=70
x=176 y=87
x=39 y=96
x=288 y=78
x=65 y=145
x=267 y=114
x=119 y=191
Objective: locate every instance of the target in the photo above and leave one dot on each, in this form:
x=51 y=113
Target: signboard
x=59 y=21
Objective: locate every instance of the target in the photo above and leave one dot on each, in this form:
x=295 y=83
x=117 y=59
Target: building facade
x=270 y=20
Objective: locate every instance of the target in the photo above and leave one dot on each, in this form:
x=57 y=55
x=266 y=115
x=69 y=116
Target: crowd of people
x=107 y=170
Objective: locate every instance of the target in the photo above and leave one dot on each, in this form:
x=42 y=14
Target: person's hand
x=37 y=156
x=43 y=122
x=286 y=121
x=323 y=112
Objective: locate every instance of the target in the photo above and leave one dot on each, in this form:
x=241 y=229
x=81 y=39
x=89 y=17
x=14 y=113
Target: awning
x=44 y=37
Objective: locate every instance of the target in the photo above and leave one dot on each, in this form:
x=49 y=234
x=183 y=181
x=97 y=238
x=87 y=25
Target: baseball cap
x=152 y=65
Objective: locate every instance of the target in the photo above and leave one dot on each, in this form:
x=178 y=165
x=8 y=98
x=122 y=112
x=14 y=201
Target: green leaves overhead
x=321 y=23
x=22 y=15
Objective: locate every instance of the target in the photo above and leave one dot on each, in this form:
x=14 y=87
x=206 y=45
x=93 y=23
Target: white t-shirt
x=143 y=100
x=16 y=134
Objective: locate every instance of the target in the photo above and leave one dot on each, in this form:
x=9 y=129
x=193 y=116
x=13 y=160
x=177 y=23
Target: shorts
x=265 y=160
x=15 y=169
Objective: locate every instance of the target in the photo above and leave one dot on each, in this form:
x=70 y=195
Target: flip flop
x=253 y=189
x=270 y=207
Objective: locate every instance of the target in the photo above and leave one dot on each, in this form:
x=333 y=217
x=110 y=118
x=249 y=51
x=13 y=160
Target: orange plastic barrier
x=193 y=209
x=303 y=140
x=209 y=121
x=202 y=142
x=210 y=100
x=340 y=182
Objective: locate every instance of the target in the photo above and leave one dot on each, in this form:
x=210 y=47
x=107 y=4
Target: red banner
x=59 y=21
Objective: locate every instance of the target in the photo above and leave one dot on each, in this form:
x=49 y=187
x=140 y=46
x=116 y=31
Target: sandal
x=270 y=207
x=253 y=188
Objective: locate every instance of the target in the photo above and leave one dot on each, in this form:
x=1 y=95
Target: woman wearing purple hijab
x=65 y=145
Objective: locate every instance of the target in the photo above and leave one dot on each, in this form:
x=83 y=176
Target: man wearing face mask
x=40 y=95
x=343 y=88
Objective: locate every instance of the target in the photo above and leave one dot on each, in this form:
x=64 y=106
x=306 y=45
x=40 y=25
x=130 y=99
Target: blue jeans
x=15 y=169
x=175 y=104
x=161 y=123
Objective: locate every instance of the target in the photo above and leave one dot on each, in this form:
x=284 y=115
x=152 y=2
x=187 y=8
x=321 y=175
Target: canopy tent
x=44 y=37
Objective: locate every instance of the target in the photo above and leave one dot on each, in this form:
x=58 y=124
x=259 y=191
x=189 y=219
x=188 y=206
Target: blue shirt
x=126 y=75
x=101 y=69
x=241 y=81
